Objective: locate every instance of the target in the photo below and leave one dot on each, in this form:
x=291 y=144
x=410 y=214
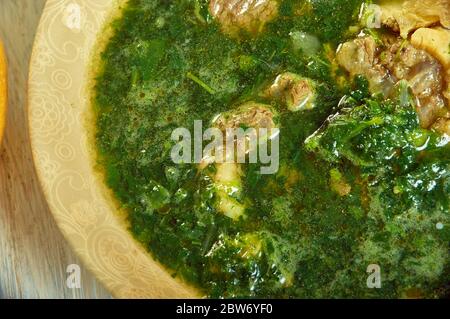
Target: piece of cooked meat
x=227 y=176
x=435 y=41
x=250 y=16
x=398 y=61
x=405 y=16
x=361 y=57
x=250 y=114
x=424 y=75
x=298 y=93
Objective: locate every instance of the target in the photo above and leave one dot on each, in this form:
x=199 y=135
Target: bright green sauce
x=300 y=238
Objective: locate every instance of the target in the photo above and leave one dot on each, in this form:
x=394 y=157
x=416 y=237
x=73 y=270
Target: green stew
x=361 y=180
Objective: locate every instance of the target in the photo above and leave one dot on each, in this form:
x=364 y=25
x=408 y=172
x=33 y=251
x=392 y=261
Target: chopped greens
x=360 y=182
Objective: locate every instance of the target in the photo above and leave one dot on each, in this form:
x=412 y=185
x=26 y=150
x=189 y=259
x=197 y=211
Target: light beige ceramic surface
x=58 y=106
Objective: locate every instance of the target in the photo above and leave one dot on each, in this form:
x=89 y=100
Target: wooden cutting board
x=3 y=89
x=33 y=254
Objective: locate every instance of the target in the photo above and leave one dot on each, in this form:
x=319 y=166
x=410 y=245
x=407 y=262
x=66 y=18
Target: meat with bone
x=248 y=16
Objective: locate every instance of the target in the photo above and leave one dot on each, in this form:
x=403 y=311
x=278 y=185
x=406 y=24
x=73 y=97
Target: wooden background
x=33 y=254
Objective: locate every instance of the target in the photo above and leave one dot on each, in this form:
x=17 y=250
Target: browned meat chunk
x=435 y=41
x=399 y=61
x=425 y=76
x=249 y=16
x=298 y=93
x=360 y=57
x=250 y=114
x=227 y=177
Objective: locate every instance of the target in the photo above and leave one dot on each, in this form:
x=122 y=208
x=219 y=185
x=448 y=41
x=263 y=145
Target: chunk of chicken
x=425 y=77
x=399 y=61
x=227 y=175
x=361 y=57
x=251 y=114
x=250 y=16
x=405 y=16
x=435 y=41
x=298 y=93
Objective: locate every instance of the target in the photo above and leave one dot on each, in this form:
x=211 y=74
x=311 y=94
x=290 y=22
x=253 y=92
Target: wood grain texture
x=33 y=253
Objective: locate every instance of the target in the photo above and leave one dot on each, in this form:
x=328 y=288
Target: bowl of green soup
x=248 y=148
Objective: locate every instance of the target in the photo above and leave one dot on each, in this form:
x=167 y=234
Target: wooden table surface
x=33 y=254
